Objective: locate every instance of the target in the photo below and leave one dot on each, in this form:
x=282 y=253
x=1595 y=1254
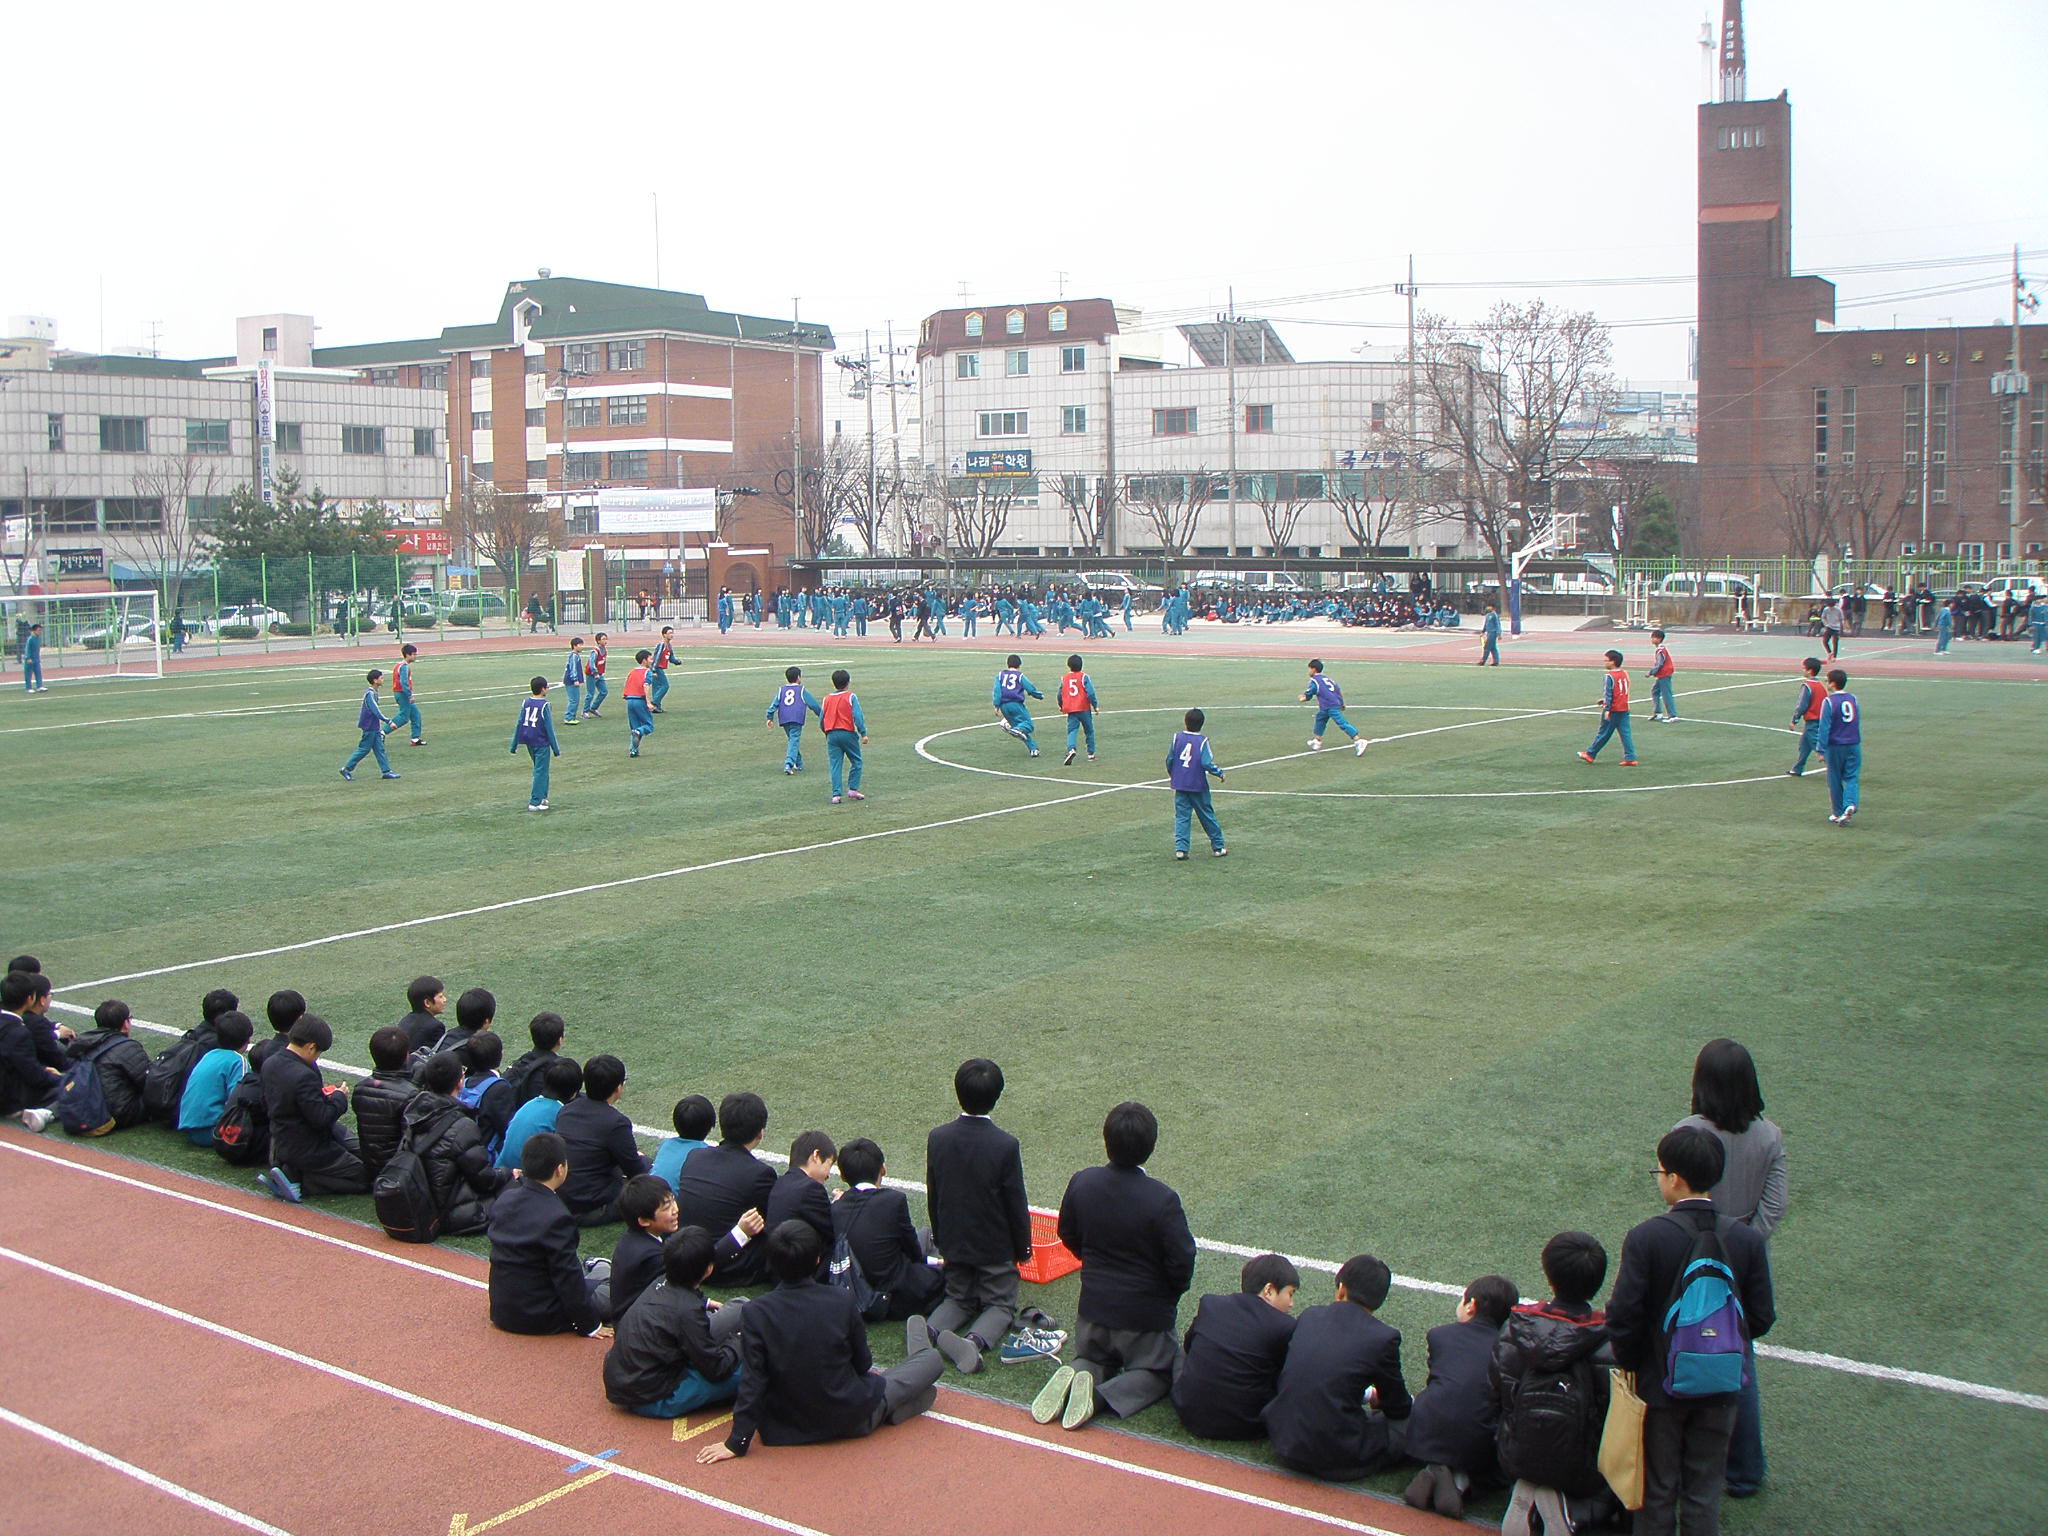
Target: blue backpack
x=1708 y=1350
x=81 y=1097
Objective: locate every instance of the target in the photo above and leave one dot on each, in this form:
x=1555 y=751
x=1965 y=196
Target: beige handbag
x=1621 y=1441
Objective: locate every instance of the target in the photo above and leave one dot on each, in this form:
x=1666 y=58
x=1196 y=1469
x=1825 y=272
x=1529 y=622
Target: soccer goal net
x=83 y=635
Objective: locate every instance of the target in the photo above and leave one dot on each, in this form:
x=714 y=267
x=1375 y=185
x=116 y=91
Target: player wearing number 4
x=1613 y=714
x=1008 y=698
x=536 y=732
x=1078 y=703
x=1841 y=735
x=787 y=709
x=1188 y=766
x=1329 y=702
x=371 y=722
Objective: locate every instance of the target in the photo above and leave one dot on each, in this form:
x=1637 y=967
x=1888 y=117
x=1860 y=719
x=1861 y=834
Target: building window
x=1969 y=554
x=586 y=467
x=629 y=411
x=132 y=514
x=1073 y=420
x=536 y=362
x=1004 y=424
x=362 y=439
x=291 y=437
x=1013 y=322
x=423 y=442
x=270 y=338
x=536 y=469
x=124 y=434
x=625 y=356
x=1820 y=426
x=480 y=421
x=586 y=413
x=1056 y=318
x=206 y=437
x=1258 y=418
x=204 y=511
x=380 y=375
x=1073 y=359
x=433 y=376
x=628 y=466
x=480 y=365
x=1845 y=428
x=974 y=323
x=55 y=427
x=1018 y=362
x=482 y=471
x=1743 y=138
x=1173 y=423
x=967 y=365
x=1937 y=444
x=1301 y=487
x=537 y=416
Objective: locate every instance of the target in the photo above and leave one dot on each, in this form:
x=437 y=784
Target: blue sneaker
x=1031 y=1344
x=390 y=775
x=274 y=1182
x=348 y=775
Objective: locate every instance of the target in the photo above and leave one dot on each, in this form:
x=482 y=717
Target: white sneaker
x=1315 y=743
x=1360 y=745
x=37 y=1120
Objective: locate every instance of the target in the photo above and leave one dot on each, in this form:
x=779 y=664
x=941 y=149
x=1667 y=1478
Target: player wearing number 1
x=1188 y=766
x=536 y=732
x=1008 y=699
x=1841 y=735
x=787 y=709
x=1613 y=714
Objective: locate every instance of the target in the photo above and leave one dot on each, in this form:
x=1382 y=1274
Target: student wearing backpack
x=449 y=1146
x=880 y=1237
x=547 y=1031
x=120 y=1063
x=213 y=1077
x=379 y=1100
x=1547 y=1383
x=485 y=1094
x=1668 y=1264
x=163 y=1090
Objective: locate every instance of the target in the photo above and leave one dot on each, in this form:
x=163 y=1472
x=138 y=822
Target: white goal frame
x=85 y=634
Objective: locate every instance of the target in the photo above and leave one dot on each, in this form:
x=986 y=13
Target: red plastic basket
x=1050 y=1258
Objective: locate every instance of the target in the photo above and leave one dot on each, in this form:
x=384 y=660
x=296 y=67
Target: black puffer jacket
x=379 y=1101
x=123 y=1069
x=1548 y=1383
x=457 y=1162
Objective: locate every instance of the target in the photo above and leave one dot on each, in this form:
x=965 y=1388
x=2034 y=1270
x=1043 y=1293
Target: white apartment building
x=110 y=464
x=1057 y=397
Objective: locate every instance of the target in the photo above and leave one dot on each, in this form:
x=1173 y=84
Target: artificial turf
x=1438 y=1028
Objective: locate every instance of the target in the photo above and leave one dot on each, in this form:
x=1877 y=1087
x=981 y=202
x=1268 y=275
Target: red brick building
x=1812 y=438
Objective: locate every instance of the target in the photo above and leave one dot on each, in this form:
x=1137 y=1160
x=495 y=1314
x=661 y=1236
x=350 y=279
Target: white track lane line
x=413 y=1399
x=141 y=1475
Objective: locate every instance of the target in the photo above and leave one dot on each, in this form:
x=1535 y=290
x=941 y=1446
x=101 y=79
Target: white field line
x=411 y=1399
x=1831 y=1362
x=141 y=1475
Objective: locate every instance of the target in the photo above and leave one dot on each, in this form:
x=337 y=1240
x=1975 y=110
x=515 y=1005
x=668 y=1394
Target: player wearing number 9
x=1841 y=736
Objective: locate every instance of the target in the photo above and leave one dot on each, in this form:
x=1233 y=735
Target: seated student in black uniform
x=28 y=1083
x=538 y=1284
x=674 y=1351
x=879 y=1234
x=798 y=1193
x=807 y=1374
x=602 y=1151
x=721 y=1183
x=649 y=1211
x=1318 y=1420
x=475 y=1011
x=1235 y=1348
x=1451 y=1430
x=485 y=1093
x=379 y=1100
x=981 y=1225
x=311 y=1151
x=458 y=1163
x=428 y=1000
x=284 y=1009
x=547 y=1031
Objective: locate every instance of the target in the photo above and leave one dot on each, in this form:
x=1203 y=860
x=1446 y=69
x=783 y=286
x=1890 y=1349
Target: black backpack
x=403 y=1193
x=164 y=1086
x=844 y=1271
x=81 y=1098
x=1549 y=1429
x=243 y=1135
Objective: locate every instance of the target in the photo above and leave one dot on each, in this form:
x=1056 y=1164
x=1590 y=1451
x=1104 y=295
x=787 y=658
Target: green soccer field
x=1437 y=1004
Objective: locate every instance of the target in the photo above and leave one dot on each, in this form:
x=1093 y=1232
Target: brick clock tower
x=1897 y=429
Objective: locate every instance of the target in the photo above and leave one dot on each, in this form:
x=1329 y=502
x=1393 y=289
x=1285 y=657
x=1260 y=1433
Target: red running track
x=230 y=1364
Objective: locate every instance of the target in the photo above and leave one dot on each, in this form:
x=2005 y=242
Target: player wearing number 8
x=787 y=709
x=1188 y=766
x=1841 y=737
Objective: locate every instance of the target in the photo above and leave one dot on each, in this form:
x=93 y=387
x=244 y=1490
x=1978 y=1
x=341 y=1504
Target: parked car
x=1280 y=582
x=1708 y=584
x=256 y=616
x=1114 y=584
x=136 y=629
x=2025 y=588
x=471 y=602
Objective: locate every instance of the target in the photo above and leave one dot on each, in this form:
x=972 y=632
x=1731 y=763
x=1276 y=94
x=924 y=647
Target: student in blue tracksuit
x=787 y=709
x=371 y=722
x=1841 y=735
x=846 y=732
x=32 y=660
x=1189 y=763
x=1127 y=610
x=1489 y=637
x=936 y=608
x=1328 y=699
x=1078 y=703
x=970 y=615
x=657 y=669
x=536 y=732
x=1008 y=699
x=861 y=610
x=1813 y=696
x=401 y=695
x=724 y=609
x=1006 y=615
x=574 y=671
x=1613 y=714
x=599 y=688
x=1030 y=617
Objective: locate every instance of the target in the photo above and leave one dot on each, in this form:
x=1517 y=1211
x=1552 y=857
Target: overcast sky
x=387 y=168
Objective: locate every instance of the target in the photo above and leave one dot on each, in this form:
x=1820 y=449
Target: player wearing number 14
x=1841 y=738
x=1189 y=763
x=536 y=732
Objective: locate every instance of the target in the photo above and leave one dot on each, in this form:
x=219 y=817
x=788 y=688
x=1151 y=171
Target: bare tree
x=1809 y=510
x=1871 y=515
x=174 y=481
x=504 y=528
x=979 y=511
x=1280 y=508
x=1501 y=413
x=1374 y=505
x=1169 y=505
x=1082 y=496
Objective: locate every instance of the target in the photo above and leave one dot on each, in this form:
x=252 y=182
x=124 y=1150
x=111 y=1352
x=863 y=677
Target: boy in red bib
x=1078 y=703
x=639 y=720
x=1663 y=702
x=1613 y=714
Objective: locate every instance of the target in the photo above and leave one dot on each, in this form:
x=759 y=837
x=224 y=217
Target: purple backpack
x=1708 y=1350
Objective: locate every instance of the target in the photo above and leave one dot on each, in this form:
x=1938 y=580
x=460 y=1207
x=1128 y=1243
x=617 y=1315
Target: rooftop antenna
x=1061 y=284
x=1734 y=64
x=1706 y=60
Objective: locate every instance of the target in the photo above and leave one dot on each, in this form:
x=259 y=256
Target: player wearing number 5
x=536 y=732
x=1188 y=766
x=1078 y=703
x=787 y=709
x=1841 y=739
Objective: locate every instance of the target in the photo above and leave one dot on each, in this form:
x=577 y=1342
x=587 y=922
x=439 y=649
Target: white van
x=1284 y=583
x=1707 y=584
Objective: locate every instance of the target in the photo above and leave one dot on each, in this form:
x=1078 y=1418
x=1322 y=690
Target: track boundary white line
x=142 y=1475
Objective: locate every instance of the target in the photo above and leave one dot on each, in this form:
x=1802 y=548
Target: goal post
x=85 y=634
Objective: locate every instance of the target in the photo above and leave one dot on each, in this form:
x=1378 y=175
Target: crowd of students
x=532 y=1152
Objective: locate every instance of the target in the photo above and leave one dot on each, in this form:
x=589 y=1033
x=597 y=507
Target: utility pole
x=1106 y=534
x=796 y=441
x=896 y=438
x=1230 y=374
x=2016 y=387
x=867 y=380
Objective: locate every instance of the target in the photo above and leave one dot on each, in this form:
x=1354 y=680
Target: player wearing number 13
x=1008 y=695
x=1841 y=738
x=536 y=732
x=1188 y=766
